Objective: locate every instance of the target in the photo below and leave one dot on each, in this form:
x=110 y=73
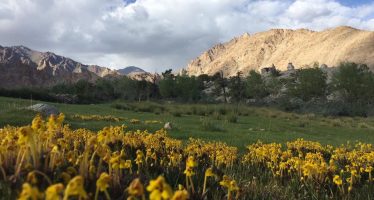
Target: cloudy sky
x=161 y=34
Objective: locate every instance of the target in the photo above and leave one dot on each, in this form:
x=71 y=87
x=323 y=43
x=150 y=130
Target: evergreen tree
x=354 y=82
x=255 y=86
x=221 y=84
x=237 y=87
x=167 y=86
x=308 y=83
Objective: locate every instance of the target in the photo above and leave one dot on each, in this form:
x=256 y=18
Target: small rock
x=167 y=126
x=44 y=109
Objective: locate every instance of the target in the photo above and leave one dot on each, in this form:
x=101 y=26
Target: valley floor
x=235 y=126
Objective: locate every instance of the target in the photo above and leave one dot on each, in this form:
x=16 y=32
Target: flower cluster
x=48 y=160
x=346 y=167
x=98 y=118
x=152 y=122
x=218 y=152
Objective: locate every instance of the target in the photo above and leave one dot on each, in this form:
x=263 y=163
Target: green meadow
x=236 y=125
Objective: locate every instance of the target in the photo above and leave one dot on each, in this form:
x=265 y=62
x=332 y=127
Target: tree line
x=346 y=90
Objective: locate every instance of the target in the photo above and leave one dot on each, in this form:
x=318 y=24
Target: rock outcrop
x=44 y=109
x=102 y=71
x=281 y=46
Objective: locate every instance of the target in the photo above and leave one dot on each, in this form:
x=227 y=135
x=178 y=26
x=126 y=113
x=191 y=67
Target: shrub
x=232 y=118
x=303 y=124
x=363 y=125
x=121 y=106
x=222 y=110
x=209 y=125
x=337 y=123
x=157 y=111
x=194 y=110
x=216 y=115
x=176 y=113
x=201 y=112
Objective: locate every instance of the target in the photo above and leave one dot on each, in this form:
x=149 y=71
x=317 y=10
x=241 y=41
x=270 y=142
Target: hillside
x=280 y=46
x=21 y=66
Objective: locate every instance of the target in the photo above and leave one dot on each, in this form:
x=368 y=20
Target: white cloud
x=159 y=34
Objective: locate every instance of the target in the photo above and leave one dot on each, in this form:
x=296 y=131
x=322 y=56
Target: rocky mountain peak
x=22 y=66
x=281 y=46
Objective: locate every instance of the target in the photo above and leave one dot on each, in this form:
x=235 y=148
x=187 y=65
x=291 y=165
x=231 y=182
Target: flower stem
x=204 y=187
x=97 y=193
x=107 y=195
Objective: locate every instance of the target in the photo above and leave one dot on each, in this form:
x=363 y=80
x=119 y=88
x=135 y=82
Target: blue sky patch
x=129 y=1
x=353 y=3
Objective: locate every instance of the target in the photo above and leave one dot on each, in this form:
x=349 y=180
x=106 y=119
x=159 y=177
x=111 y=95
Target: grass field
x=250 y=124
x=45 y=160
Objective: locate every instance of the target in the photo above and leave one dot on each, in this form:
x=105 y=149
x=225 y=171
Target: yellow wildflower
x=125 y=164
x=31 y=178
x=75 y=187
x=136 y=188
x=180 y=195
x=37 y=123
x=52 y=123
x=225 y=181
x=230 y=184
x=29 y=192
x=190 y=164
x=55 y=149
x=60 y=119
x=139 y=157
x=233 y=186
x=159 y=189
x=25 y=134
x=209 y=172
x=103 y=182
x=53 y=192
x=134 y=121
x=337 y=180
x=102 y=185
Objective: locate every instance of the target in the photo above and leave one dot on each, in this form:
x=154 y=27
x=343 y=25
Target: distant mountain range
x=130 y=69
x=21 y=66
x=281 y=46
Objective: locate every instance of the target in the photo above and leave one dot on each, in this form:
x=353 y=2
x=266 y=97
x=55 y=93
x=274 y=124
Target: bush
x=176 y=113
x=209 y=110
x=337 y=123
x=194 y=110
x=289 y=104
x=121 y=106
x=363 y=125
x=222 y=110
x=303 y=124
x=216 y=115
x=344 y=109
x=201 y=112
x=157 y=111
x=209 y=125
x=28 y=93
x=244 y=111
x=232 y=118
